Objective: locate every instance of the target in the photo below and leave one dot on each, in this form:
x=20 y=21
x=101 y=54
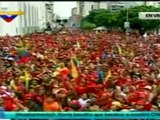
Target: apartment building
x=74 y=19
x=74 y=11
x=116 y=6
x=49 y=13
x=152 y=3
x=83 y=8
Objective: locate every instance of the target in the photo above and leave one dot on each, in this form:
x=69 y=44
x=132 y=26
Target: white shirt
x=82 y=102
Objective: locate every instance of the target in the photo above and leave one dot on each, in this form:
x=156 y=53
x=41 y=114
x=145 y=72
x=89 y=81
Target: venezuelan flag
x=12 y=84
x=78 y=44
x=109 y=74
x=74 y=71
x=26 y=78
x=119 y=49
x=8 y=18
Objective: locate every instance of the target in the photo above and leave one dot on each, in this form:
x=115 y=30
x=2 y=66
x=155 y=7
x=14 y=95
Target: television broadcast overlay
x=80 y=60
x=8 y=16
x=80 y=115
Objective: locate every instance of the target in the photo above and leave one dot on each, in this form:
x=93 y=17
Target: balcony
x=49 y=6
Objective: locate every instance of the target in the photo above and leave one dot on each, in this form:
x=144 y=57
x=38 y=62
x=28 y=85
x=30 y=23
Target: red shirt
x=80 y=90
x=92 y=87
x=94 y=56
x=9 y=105
x=105 y=101
x=123 y=82
x=65 y=71
x=137 y=95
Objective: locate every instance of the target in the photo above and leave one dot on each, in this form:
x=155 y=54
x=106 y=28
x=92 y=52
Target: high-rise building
x=152 y=3
x=116 y=6
x=83 y=8
x=74 y=19
x=74 y=11
x=49 y=12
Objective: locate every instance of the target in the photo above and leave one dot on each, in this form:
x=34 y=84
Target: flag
x=19 y=44
x=78 y=44
x=12 y=84
x=109 y=74
x=57 y=72
x=75 y=60
x=74 y=71
x=119 y=49
x=26 y=78
x=132 y=53
x=22 y=46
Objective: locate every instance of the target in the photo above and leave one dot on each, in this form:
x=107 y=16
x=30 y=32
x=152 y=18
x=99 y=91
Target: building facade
x=152 y=3
x=116 y=6
x=83 y=8
x=34 y=19
x=74 y=19
x=49 y=13
x=74 y=11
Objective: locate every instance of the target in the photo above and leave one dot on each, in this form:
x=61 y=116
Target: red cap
x=28 y=96
x=140 y=102
x=147 y=106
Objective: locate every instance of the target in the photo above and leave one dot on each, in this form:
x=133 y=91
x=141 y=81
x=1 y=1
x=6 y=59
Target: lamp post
x=127 y=27
x=127 y=24
x=127 y=15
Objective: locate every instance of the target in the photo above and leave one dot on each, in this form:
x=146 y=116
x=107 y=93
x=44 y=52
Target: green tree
x=101 y=17
x=87 y=25
x=104 y=17
x=92 y=14
x=135 y=22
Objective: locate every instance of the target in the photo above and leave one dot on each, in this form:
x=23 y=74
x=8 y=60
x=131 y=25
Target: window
x=58 y=21
x=92 y=7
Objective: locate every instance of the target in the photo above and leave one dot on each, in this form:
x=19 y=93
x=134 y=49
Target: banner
x=79 y=115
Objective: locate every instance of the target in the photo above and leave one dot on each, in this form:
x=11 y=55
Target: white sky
x=63 y=9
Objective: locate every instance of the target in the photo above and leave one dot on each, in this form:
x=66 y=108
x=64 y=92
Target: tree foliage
x=87 y=25
x=135 y=22
x=104 y=17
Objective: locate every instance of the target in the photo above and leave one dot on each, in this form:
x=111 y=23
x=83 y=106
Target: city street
x=90 y=59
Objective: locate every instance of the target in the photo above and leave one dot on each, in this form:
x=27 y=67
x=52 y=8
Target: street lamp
x=127 y=24
x=127 y=15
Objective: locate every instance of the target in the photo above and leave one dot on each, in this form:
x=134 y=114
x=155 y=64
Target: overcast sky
x=63 y=9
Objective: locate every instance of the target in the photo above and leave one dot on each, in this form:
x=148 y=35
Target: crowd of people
x=80 y=71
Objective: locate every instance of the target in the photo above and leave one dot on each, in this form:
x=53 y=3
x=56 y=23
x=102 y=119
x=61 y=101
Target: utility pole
x=145 y=3
x=127 y=24
x=98 y=5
